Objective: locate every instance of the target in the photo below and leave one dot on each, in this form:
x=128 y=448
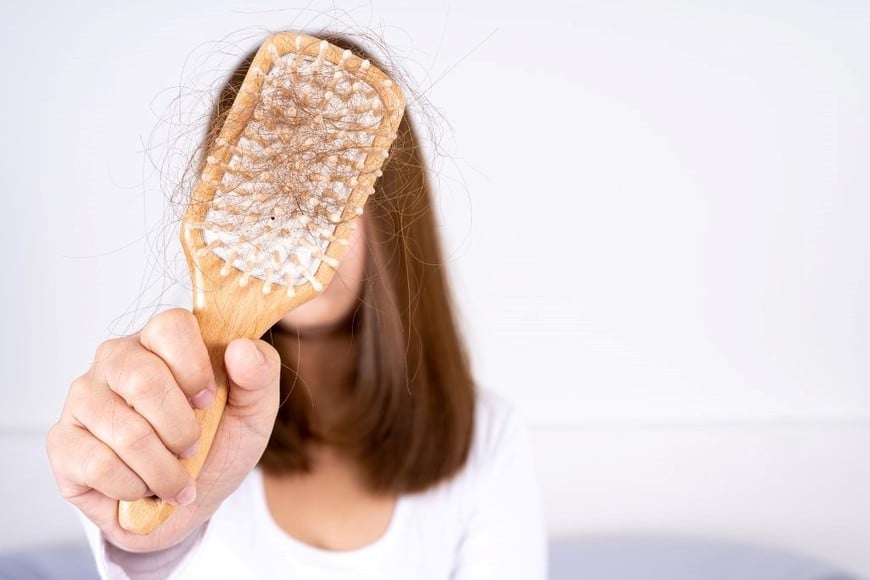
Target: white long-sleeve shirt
x=485 y=523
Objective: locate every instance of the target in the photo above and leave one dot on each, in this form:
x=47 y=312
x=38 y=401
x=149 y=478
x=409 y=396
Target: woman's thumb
x=254 y=370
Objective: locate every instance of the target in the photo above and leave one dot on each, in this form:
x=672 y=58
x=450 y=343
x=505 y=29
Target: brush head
x=294 y=163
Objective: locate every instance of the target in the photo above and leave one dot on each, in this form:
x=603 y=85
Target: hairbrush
x=271 y=213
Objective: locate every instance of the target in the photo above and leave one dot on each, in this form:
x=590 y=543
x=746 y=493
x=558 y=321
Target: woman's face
x=341 y=295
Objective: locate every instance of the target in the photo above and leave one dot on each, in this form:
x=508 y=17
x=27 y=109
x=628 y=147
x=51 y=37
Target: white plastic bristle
x=315 y=283
x=211 y=160
x=330 y=237
x=209 y=248
x=364 y=65
x=220 y=142
x=358 y=211
x=273 y=51
x=298 y=43
x=328 y=260
x=379 y=173
x=322 y=49
x=267 y=282
x=244 y=279
x=344 y=56
x=228 y=264
x=387 y=83
x=327 y=96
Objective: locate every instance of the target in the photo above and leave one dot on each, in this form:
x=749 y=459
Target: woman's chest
x=328 y=510
x=420 y=538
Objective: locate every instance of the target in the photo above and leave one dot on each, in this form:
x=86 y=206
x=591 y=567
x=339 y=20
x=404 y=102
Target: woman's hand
x=127 y=422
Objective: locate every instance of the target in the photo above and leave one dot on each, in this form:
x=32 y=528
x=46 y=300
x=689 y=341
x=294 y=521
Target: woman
x=354 y=443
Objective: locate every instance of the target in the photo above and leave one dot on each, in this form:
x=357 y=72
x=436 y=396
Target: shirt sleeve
x=504 y=533
x=113 y=563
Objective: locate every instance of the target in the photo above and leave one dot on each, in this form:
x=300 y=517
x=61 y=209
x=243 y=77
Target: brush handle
x=146 y=515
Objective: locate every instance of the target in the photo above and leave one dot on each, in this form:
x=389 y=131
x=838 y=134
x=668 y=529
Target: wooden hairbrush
x=293 y=164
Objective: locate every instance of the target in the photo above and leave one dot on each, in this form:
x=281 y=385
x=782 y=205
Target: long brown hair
x=409 y=415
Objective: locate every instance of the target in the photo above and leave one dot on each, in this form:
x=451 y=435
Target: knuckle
x=107 y=349
x=168 y=325
x=186 y=431
x=96 y=468
x=141 y=383
x=52 y=439
x=79 y=386
x=78 y=399
x=135 y=437
x=192 y=433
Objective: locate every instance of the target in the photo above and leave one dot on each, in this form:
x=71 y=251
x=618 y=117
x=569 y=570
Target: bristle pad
x=289 y=177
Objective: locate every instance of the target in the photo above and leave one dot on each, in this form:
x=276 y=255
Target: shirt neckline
x=337 y=559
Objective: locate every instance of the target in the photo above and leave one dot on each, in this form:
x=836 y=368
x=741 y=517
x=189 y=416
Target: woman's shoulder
x=501 y=438
x=497 y=422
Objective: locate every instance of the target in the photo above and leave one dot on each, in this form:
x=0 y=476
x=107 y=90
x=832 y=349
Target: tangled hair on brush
x=407 y=418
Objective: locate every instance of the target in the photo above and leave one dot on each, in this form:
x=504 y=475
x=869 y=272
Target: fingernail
x=187 y=495
x=259 y=355
x=203 y=399
x=187 y=454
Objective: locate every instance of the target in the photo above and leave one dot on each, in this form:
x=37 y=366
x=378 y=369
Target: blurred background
x=655 y=215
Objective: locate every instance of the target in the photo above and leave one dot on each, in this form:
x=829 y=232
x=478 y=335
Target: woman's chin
x=318 y=315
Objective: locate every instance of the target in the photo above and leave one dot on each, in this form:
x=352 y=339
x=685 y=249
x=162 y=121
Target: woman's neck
x=321 y=367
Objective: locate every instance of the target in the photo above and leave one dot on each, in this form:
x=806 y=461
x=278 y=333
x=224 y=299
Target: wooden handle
x=146 y=515
x=225 y=309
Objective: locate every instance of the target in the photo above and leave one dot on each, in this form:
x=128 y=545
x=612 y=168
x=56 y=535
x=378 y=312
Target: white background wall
x=655 y=215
